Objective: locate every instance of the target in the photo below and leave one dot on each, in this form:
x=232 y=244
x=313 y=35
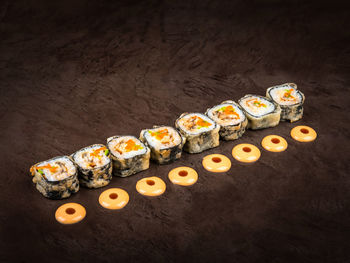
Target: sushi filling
x=126 y=147
x=56 y=169
x=163 y=137
x=286 y=95
x=194 y=123
x=94 y=157
x=257 y=106
x=226 y=114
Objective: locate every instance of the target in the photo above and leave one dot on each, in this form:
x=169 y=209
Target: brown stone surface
x=73 y=73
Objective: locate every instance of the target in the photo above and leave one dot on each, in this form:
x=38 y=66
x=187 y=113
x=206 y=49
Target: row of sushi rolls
x=93 y=166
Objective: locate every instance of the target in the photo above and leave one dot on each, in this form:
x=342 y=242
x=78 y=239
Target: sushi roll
x=261 y=112
x=129 y=155
x=165 y=143
x=56 y=178
x=231 y=118
x=94 y=166
x=200 y=131
x=290 y=99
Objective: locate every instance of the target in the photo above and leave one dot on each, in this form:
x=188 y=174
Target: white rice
x=118 y=145
x=225 y=120
x=186 y=121
x=277 y=94
x=66 y=169
x=172 y=139
x=248 y=105
x=84 y=162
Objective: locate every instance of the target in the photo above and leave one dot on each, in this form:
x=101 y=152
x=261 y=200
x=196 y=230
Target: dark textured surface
x=73 y=73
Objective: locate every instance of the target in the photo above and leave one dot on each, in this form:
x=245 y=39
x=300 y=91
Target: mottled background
x=73 y=73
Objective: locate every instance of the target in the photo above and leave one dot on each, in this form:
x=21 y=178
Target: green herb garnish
x=138 y=147
x=222 y=108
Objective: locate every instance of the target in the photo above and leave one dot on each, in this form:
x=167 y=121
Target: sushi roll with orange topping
x=56 y=178
x=261 y=112
x=94 y=166
x=290 y=99
x=129 y=155
x=165 y=143
x=231 y=118
x=201 y=132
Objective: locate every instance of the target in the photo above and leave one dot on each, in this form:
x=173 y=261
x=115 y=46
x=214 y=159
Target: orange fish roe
x=159 y=134
x=52 y=169
x=259 y=104
x=229 y=110
x=288 y=94
x=132 y=146
x=200 y=122
x=256 y=103
x=96 y=152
